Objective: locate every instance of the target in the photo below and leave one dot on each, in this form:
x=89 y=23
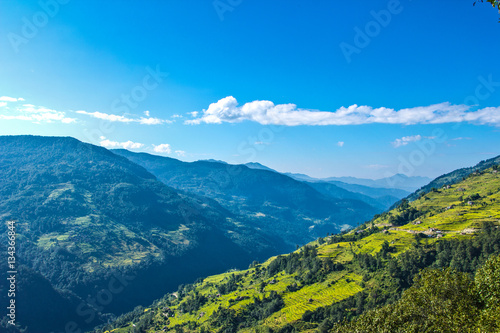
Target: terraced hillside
x=339 y=277
x=455 y=176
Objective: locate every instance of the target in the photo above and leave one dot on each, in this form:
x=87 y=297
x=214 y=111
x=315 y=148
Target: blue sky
x=326 y=88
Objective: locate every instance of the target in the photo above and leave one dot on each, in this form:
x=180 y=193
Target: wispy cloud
x=340 y=144
x=10 y=99
x=105 y=116
x=163 y=148
x=461 y=138
x=267 y=113
x=11 y=110
x=152 y=121
x=123 y=119
x=126 y=145
x=406 y=140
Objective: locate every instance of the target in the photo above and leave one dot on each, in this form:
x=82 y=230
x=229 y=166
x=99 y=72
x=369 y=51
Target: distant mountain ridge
x=258 y=166
x=213 y=161
x=382 y=193
x=378 y=196
x=274 y=203
x=398 y=181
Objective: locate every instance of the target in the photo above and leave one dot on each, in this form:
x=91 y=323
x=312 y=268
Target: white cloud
x=406 y=140
x=163 y=148
x=38 y=114
x=124 y=119
x=267 y=113
x=180 y=153
x=126 y=145
x=108 y=117
x=152 y=121
x=461 y=138
x=7 y=117
x=340 y=143
x=35 y=114
x=10 y=99
x=132 y=145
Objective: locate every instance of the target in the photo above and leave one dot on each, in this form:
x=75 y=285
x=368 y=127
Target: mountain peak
x=258 y=166
x=211 y=160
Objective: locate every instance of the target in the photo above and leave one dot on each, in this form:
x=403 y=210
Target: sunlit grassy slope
x=456 y=211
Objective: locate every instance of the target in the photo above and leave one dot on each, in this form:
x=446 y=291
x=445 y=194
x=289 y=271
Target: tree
x=488 y=289
x=439 y=301
x=494 y=3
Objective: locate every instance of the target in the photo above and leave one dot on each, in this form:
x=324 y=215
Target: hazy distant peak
x=211 y=160
x=258 y=166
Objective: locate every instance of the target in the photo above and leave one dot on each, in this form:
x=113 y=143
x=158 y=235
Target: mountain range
x=87 y=217
x=397 y=181
x=100 y=231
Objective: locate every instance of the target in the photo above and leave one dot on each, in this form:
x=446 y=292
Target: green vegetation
x=441 y=248
x=455 y=177
x=439 y=301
